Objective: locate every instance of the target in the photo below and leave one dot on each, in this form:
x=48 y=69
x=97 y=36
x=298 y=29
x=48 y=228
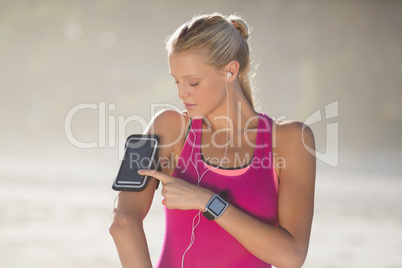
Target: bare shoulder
x=171 y=127
x=294 y=144
x=291 y=133
x=295 y=150
x=167 y=122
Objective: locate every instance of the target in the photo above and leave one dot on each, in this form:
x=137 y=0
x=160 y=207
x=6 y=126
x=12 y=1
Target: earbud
x=229 y=74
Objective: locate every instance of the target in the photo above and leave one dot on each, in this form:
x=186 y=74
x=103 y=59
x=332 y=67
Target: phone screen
x=139 y=154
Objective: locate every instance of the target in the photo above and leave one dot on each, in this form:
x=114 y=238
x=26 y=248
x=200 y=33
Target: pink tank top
x=252 y=191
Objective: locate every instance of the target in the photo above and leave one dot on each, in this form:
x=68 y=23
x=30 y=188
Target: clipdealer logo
x=330 y=156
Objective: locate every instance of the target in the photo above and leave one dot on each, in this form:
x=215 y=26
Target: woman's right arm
x=132 y=207
x=127 y=229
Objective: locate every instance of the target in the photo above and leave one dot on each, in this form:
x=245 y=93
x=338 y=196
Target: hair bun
x=240 y=25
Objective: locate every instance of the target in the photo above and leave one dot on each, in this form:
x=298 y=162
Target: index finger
x=155 y=174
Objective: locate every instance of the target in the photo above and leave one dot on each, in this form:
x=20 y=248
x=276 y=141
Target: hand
x=178 y=193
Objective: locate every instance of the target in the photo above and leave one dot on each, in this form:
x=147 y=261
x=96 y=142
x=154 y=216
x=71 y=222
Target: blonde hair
x=220 y=40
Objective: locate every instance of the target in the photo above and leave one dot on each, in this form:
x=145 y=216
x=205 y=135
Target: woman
x=221 y=145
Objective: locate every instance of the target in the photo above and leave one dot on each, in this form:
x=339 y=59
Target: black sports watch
x=216 y=206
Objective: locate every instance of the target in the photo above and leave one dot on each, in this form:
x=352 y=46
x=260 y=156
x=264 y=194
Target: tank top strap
x=193 y=135
x=196 y=125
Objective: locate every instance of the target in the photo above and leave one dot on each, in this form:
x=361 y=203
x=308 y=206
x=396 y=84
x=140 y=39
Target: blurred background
x=75 y=71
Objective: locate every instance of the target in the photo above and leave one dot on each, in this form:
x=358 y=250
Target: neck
x=241 y=114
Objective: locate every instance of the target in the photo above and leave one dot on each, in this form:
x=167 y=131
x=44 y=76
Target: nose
x=182 y=91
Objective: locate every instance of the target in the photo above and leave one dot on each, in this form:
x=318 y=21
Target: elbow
x=121 y=223
x=298 y=259
x=294 y=260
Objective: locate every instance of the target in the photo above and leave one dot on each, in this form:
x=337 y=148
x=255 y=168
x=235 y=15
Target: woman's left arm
x=287 y=245
x=283 y=246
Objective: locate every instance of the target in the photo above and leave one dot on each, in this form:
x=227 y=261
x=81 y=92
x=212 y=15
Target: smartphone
x=141 y=152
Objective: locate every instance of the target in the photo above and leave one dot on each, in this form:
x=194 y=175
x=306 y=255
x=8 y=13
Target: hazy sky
x=308 y=54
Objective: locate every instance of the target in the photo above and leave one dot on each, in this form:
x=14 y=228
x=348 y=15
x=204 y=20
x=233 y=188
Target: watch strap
x=223 y=194
x=208 y=215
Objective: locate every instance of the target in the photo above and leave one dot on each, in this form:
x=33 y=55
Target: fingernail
x=140 y=171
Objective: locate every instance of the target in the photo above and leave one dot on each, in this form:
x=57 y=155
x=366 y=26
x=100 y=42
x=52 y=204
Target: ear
x=233 y=68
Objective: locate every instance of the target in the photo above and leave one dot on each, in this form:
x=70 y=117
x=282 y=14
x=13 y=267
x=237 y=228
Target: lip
x=189 y=105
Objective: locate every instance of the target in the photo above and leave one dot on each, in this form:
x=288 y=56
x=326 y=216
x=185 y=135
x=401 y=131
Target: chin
x=194 y=114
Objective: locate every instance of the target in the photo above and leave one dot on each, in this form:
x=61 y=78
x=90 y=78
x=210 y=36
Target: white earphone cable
x=197 y=217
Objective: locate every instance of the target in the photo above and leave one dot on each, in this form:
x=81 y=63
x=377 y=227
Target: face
x=200 y=86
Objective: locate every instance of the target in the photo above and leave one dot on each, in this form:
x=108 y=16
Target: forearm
x=131 y=244
x=268 y=243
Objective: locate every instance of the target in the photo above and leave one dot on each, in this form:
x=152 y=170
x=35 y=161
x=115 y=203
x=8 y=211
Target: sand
x=63 y=221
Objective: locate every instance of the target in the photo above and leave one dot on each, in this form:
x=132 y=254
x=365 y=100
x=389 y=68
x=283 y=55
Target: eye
x=194 y=85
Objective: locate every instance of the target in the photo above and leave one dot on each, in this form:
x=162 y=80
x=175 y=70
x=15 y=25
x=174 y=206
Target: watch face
x=217 y=206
